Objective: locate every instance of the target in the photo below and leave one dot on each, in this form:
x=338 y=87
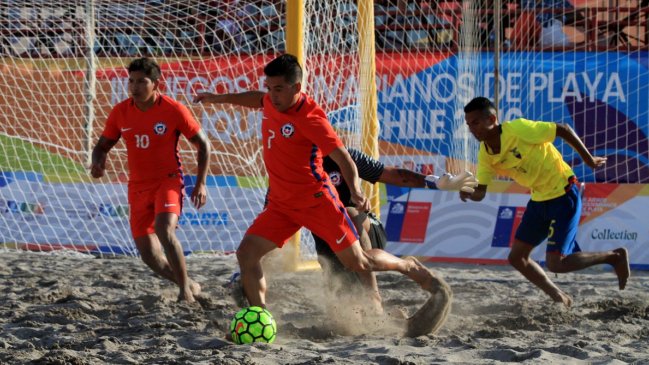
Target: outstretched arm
x=99 y=154
x=565 y=132
x=402 y=177
x=250 y=99
x=199 y=194
x=348 y=169
x=464 y=181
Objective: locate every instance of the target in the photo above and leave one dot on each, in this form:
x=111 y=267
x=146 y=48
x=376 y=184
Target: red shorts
x=328 y=220
x=149 y=199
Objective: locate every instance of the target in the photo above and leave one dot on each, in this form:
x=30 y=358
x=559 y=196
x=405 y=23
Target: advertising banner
x=604 y=96
x=420 y=94
x=441 y=227
x=606 y=106
x=95 y=217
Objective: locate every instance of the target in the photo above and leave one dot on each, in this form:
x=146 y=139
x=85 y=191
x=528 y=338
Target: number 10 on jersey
x=142 y=141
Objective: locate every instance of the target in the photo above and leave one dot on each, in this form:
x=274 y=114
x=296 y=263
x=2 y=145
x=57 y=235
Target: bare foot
x=561 y=297
x=186 y=295
x=195 y=287
x=421 y=275
x=622 y=268
x=432 y=315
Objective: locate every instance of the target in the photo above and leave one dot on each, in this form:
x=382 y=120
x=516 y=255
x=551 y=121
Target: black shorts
x=377 y=235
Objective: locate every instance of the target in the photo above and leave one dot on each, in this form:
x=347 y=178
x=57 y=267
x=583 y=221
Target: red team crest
x=335 y=178
x=160 y=128
x=288 y=129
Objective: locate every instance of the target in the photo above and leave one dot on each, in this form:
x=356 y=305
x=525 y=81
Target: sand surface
x=68 y=308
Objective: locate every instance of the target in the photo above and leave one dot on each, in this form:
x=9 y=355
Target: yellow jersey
x=528 y=156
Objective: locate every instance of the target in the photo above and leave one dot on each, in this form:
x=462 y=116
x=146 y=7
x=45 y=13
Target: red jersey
x=151 y=137
x=294 y=142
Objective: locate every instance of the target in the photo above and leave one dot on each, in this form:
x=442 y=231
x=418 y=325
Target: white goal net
x=63 y=68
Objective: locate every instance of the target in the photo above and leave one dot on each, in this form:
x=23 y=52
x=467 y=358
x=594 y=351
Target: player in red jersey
x=151 y=124
x=295 y=136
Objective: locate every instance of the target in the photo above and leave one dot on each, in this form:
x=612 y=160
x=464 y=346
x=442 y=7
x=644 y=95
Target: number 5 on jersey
x=142 y=141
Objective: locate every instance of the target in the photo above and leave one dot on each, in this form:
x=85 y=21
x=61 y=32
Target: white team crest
x=160 y=128
x=287 y=130
x=507 y=214
x=335 y=177
x=397 y=208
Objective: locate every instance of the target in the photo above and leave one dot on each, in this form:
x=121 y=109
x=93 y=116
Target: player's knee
x=165 y=233
x=515 y=260
x=246 y=254
x=243 y=254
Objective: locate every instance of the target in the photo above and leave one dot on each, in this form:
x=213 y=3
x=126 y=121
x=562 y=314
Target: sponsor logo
x=287 y=130
x=338 y=241
x=507 y=222
x=12 y=206
x=336 y=178
x=610 y=234
x=597 y=205
x=204 y=219
x=506 y=213
x=515 y=152
x=160 y=128
x=125 y=129
x=397 y=208
x=167 y=205
x=113 y=211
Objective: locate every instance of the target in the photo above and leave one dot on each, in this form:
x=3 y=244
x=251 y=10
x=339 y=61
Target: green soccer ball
x=253 y=324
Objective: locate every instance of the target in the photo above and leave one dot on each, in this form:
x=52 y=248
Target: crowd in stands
x=39 y=28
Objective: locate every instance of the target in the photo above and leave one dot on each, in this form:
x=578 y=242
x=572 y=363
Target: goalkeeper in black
x=370 y=229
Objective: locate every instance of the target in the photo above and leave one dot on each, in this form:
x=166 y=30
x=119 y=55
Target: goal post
x=366 y=98
x=295 y=46
x=368 y=93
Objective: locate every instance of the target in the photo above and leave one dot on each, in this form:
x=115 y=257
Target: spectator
x=153 y=34
x=393 y=18
x=552 y=16
x=526 y=31
x=487 y=21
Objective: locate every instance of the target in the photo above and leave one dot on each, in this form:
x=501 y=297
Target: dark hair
x=146 y=65
x=482 y=104
x=285 y=65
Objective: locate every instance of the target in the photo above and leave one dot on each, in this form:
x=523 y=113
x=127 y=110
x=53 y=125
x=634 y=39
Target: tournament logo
x=160 y=128
x=336 y=178
x=287 y=130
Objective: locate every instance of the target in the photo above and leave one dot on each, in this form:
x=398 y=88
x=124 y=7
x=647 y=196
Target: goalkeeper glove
x=465 y=181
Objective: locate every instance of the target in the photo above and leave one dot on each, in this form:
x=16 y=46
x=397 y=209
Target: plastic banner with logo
x=95 y=217
x=439 y=226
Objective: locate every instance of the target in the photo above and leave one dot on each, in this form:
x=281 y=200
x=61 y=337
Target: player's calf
x=622 y=267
